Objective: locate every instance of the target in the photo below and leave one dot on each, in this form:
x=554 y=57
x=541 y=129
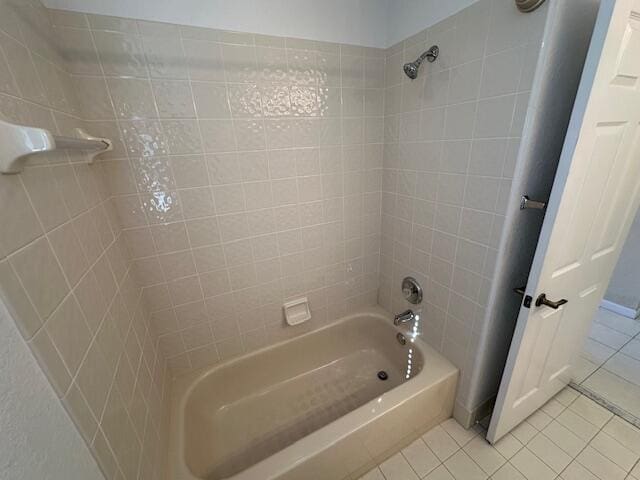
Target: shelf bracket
x=91 y=155
x=17 y=142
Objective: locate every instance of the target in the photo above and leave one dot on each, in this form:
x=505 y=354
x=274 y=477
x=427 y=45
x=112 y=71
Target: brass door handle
x=543 y=300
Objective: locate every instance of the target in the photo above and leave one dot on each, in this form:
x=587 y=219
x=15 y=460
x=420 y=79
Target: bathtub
x=313 y=407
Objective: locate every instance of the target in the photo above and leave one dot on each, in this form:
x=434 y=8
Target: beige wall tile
x=41 y=276
x=51 y=362
x=211 y=100
x=132 y=98
x=164 y=56
x=45 y=196
x=93 y=97
x=185 y=290
x=84 y=59
x=20 y=222
x=23 y=69
x=69 y=333
x=319 y=163
x=17 y=301
x=120 y=53
x=444 y=174
x=64 y=227
x=67 y=249
x=91 y=300
x=77 y=407
x=204 y=60
x=173 y=98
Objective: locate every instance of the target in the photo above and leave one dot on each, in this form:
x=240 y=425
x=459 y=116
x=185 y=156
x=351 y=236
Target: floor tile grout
x=575 y=459
x=587 y=440
x=601 y=366
x=601 y=398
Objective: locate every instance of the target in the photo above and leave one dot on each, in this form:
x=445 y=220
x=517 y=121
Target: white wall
x=373 y=23
x=37 y=438
x=624 y=288
x=360 y=22
x=407 y=17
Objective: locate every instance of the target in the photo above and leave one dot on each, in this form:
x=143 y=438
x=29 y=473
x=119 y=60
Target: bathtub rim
x=436 y=369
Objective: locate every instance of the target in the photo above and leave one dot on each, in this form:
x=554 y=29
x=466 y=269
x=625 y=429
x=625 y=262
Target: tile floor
x=569 y=438
x=610 y=361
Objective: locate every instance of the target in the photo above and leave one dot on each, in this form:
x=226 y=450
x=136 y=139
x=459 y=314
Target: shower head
x=411 y=68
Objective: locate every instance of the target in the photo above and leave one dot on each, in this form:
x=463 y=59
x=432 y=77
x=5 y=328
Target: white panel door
x=595 y=195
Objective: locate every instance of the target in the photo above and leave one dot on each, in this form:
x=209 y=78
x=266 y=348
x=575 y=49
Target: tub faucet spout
x=404 y=317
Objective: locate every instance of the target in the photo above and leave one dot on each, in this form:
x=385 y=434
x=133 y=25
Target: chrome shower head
x=411 y=68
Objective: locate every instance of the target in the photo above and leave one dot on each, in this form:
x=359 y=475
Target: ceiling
x=373 y=23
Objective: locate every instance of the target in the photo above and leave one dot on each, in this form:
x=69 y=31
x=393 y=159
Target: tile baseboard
x=620 y=309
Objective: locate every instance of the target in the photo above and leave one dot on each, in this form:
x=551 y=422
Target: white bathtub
x=311 y=407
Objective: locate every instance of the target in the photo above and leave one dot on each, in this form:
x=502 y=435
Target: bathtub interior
x=251 y=408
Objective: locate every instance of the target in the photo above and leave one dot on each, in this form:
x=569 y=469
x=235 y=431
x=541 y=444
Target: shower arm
x=430 y=55
x=421 y=58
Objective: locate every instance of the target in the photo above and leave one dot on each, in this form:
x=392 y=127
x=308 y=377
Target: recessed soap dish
x=297 y=311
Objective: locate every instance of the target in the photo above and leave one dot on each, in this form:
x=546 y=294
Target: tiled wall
x=451 y=142
x=250 y=174
x=247 y=170
x=65 y=268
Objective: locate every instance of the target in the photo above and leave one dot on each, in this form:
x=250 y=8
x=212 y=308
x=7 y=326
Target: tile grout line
x=619 y=350
x=607 y=359
x=600 y=400
x=601 y=429
x=574 y=458
x=407 y=460
x=540 y=432
x=629 y=477
x=620 y=353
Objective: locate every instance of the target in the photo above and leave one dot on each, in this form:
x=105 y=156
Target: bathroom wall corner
x=567 y=34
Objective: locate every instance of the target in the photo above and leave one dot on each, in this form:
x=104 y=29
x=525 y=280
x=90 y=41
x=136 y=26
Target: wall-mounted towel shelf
x=18 y=141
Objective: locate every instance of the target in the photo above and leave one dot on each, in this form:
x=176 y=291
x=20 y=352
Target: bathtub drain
x=382 y=375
